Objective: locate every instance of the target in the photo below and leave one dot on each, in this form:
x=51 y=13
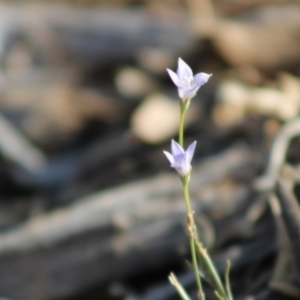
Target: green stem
x=181 y=127
x=227 y=281
x=210 y=271
x=191 y=230
x=184 y=105
x=190 y=218
x=179 y=288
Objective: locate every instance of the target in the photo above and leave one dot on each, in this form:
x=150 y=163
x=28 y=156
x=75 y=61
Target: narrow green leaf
x=227 y=281
x=179 y=288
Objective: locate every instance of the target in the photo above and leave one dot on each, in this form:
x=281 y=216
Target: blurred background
x=89 y=207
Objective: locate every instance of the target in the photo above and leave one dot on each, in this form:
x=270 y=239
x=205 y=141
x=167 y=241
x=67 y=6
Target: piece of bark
x=52 y=108
x=14 y=146
x=236 y=99
x=285 y=274
x=234 y=7
x=255 y=39
x=90 y=36
x=112 y=234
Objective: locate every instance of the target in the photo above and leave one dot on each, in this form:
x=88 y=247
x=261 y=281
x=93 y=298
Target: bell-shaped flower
x=181 y=160
x=186 y=83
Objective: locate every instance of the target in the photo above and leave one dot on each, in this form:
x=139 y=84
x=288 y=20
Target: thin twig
x=278 y=155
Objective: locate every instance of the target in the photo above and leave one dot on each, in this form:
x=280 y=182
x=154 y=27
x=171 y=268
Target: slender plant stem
x=181 y=127
x=184 y=105
x=210 y=271
x=227 y=281
x=179 y=288
x=191 y=230
x=190 y=218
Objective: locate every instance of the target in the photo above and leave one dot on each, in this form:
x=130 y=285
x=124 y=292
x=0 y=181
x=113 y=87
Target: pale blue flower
x=181 y=160
x=186 y=83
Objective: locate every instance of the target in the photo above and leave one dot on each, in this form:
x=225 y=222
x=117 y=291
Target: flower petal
x=200 y=79
x=169 y=157
x=183 y=70
x=185 y=166
x=176 y=149
x=190 y=151
x=178 y=168
x=174 y=77
x=187 y=93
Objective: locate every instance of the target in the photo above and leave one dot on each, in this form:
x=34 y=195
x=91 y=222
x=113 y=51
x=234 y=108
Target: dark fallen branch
x=277 y=156
x=290 y=212
x=111 y=234
x=285 y=277
x=89 y=35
